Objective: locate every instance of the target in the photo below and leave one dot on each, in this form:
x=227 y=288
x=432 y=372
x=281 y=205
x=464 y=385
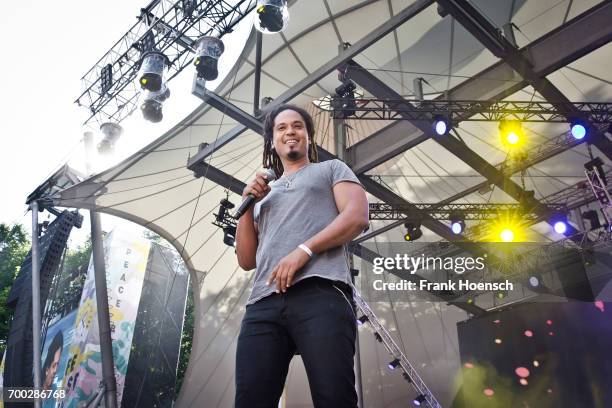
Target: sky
x=46 y=50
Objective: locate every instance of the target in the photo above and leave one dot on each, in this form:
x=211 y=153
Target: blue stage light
x=441 y=125
x=457 y=227
x=560 y=227
x=578 y=130
x=418 y=400
x=393 y=364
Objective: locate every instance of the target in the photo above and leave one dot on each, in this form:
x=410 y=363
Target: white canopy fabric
x=155 y=189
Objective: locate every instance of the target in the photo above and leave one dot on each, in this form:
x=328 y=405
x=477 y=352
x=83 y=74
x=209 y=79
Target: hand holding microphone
x=255 y=190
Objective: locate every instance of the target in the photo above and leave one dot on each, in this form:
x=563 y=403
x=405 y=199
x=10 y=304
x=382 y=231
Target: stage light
x=593 y=218
x=534 y=281
x=578 y=129
x=272 y=16
x=413 y=231
x=508 y=227
x=560 y=227
x=378 y=337
x=112 y=132
x=229 y=235
x=152 y=70
x=511 y=133
x=506 y=235
x=152 y=104
x=362 y=320
x=457 y=220
x=441 y=125
x=406 y=377
x=344 y=99
x=393 y=364
x=597 y=165
x=225 y=205
x=208 y=52
x=419 y=400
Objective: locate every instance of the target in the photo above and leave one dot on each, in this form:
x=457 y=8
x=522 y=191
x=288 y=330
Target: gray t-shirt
x=297 y=208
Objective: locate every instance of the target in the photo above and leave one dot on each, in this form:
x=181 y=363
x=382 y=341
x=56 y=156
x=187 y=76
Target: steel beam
x=346 y=55
x=370 y=185
x=483 y=30
x=560 y=47
x=380 y=90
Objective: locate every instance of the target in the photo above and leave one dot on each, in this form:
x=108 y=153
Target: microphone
x=250 y=200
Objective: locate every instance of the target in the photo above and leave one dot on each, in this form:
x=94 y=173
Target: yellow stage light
x=512 y=135
x=506 y=235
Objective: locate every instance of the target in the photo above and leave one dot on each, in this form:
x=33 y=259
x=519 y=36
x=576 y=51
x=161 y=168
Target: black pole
x=36 y=301
x=258 y=42
x=106 y=342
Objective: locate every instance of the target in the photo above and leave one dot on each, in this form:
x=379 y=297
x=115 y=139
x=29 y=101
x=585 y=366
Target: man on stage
x=295 y=237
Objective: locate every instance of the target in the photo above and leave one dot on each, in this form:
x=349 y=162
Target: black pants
x=313 y=318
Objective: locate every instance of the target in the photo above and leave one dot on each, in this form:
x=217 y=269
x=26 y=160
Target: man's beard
x=294 y=155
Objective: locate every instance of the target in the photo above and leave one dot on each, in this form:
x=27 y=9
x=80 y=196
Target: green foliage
x=14 y=246
x=186 y=341
x=72 y=279
x=79 y=257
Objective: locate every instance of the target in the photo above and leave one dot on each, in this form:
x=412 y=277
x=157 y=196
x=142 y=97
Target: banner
x=126 y=258
x=55 y=356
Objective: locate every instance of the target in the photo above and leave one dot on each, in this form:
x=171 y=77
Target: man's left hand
x=286 y=269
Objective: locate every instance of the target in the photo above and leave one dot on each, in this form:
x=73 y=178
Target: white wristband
x=305 y=249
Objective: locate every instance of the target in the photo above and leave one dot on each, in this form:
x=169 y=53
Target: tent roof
x=154 y=188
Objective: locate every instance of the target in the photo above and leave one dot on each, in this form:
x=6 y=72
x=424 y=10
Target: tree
x=186 y=341
x=70 y=280
x=14 y=246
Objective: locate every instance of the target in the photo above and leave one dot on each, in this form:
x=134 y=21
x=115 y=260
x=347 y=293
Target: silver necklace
x=288 y=182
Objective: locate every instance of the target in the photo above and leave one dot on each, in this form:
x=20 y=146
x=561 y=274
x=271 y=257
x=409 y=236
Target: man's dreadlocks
x=271 y=160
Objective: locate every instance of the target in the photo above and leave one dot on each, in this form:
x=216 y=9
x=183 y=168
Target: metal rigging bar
x=456 y=111
x=173 y=26
x=395 y=351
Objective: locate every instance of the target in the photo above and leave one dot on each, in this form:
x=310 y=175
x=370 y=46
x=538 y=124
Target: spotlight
x=593 y=218
x=345 y=98
x=597 y=165
x=152 y=104
x=511 y=133
x=112 y=132
x=441 y=125
x=457 y=220
x=506 y=235
x=534 y=282
x=346 y=89
x=223 y=210
x=419 y=400
x=393 y=364
x=362 y=320
x=560 y=227
x=578 y=129
x=208 y=52
x=152 y=68
x=273 y=16
x=378 y=337
x=413 y=231
x=406 y=377
x=229 y=235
